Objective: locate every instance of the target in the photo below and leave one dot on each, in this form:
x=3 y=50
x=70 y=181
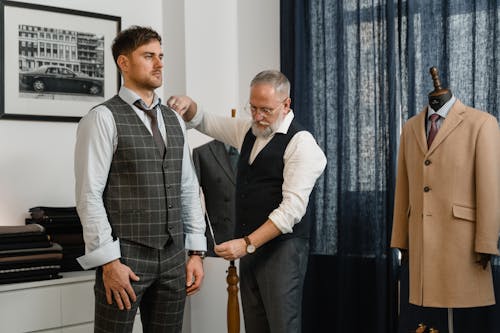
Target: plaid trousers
x=161 y=291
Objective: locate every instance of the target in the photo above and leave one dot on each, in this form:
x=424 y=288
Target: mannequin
x=446 y=216
x=217 y=178
x=439 y=96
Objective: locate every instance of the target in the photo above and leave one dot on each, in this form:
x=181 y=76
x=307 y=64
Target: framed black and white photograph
x=55 y=63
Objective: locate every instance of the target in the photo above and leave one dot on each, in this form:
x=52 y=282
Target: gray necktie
x=233 y=157
x=154 y=125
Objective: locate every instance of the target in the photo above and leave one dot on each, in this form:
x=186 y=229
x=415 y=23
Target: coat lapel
x=220 y=154
x=449 y=124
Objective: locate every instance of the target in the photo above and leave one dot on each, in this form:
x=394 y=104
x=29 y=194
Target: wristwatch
x=201 y=254
x=250 y=246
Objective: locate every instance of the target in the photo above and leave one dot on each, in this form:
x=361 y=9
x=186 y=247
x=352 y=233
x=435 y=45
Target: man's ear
x=122 y=62
x=288 y=103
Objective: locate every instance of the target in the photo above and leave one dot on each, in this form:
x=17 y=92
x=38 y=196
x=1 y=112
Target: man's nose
x=159 y=62
x=258 y=116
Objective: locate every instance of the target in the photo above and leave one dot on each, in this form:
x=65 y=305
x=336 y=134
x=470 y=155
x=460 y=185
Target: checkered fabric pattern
x=142 y=197
x=161 y=291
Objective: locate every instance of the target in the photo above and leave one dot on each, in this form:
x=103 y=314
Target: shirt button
x=427 y=189
x=427 y=162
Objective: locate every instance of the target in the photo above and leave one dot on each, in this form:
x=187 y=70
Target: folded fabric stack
x=64 y=228
x=26 y=254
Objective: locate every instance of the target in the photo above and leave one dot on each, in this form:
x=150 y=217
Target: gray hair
x=275 y=78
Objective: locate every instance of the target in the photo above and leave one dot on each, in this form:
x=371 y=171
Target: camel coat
x=447 y=207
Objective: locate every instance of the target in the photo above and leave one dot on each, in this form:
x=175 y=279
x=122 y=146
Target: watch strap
x=201 y=254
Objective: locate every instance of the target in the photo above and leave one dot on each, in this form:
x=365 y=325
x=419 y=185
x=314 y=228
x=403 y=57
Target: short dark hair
x=128 y=40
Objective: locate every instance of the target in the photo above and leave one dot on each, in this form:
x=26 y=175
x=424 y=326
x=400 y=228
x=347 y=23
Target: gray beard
x=269 y=130
x=262 y=133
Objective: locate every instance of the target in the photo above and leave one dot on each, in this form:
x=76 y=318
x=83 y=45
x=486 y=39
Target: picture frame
x=55 y=63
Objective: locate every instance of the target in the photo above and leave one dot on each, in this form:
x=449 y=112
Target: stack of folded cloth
x=63 y=227
x=26 y=254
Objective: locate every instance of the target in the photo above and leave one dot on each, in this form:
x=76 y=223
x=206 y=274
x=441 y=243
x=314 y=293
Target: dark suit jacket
x=218 y=181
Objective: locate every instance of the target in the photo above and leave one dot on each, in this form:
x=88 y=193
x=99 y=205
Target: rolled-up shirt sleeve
x=304 y=164
x=94 y=149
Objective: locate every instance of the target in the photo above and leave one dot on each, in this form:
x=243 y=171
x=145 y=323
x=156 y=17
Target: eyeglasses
x=265 y=112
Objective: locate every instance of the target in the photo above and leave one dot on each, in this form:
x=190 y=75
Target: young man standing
x=137 y=197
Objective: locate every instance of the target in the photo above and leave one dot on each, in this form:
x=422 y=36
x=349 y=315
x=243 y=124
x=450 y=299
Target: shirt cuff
x=100 y=256
x=195 y=242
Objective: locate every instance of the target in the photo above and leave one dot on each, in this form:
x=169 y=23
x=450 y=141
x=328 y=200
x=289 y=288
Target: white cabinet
x=64 y=305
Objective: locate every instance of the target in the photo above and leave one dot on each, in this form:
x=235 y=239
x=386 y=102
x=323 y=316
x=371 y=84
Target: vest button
x=427 y=189
x=170 y=206
x=427 y=162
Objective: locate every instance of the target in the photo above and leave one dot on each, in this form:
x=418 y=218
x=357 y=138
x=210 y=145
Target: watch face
x=250 y=248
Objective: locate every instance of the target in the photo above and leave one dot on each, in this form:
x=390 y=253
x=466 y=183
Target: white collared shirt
x=96 y=142
x=304 y=161
x=442 y=112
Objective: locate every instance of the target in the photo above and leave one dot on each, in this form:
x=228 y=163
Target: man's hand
x=232 y=250
x=116 y=278
x=184 y=106
x=194 y=274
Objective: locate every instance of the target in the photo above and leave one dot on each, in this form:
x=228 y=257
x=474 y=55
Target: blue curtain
x=359 y=70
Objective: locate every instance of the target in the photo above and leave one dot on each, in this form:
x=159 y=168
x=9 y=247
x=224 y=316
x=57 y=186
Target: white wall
x=212 y=50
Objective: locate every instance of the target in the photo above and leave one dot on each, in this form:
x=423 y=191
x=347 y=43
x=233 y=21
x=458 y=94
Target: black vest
x=142 y=194
x=259 y=185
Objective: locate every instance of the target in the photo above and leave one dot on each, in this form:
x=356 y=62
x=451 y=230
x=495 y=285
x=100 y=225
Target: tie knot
x=150 y=112
x=434 y=117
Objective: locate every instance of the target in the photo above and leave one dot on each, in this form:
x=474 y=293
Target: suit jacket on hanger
x=447 y=207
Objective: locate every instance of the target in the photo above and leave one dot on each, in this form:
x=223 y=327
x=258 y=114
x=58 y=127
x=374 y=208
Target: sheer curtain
x=359 y=70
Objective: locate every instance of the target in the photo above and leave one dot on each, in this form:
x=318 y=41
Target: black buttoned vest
x=142 y=194
x=259 y=185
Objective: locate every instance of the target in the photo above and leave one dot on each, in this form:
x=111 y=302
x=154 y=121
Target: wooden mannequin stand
x=233 y=306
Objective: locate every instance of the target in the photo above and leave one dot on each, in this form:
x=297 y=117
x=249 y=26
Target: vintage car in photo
x=60 y=79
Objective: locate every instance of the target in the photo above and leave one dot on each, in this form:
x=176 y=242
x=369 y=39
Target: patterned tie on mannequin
x=433 y=130
x=154 y=125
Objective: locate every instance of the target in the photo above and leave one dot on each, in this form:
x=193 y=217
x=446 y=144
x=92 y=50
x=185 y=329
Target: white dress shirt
x=96 y=143
x=304 y=161
x=442 y=112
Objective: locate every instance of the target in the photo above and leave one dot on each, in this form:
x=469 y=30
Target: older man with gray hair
x=278 y=167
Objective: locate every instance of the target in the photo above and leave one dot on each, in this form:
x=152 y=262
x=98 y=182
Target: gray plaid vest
x=142 y=195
